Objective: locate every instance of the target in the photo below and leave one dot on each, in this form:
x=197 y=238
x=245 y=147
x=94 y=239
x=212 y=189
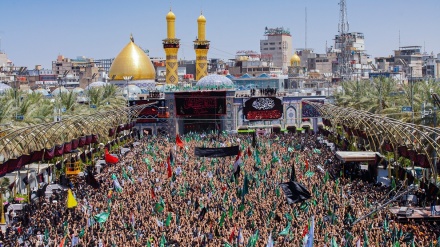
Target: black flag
x=26 y=180
x=91 y=180
x=254 y=142
x=292 y=174
x=202 y=213
x=294 y=192
x=41 y=192
x=237 y=173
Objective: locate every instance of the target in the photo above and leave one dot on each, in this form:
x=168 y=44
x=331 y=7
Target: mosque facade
x=215 y=103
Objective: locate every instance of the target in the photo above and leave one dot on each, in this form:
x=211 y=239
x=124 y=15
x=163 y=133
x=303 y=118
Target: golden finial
x=131 y=38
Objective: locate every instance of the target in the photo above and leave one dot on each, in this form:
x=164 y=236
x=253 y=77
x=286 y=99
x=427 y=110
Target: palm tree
x=4 y=183
x=387 y=97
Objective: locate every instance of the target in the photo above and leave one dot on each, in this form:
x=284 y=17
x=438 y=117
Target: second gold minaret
x=171 y=46
x=201 y=46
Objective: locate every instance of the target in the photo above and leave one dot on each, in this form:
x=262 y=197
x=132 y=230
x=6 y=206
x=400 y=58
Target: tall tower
x=344 y=56
x=201 y=46
x=171 y=46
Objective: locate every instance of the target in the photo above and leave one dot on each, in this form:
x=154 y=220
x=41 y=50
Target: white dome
x=4 y=87
x=96 y=84
x=58 y=90
x=132 y=89
x=42 y=91
x=215 y=81
x=78 y=90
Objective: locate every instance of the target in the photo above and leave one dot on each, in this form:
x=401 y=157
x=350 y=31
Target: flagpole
x=410 y=188
x=28 y=187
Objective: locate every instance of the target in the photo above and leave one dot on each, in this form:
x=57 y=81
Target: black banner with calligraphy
x=200 y=103
x=263 y=108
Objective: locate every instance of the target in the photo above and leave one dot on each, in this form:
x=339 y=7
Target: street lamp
x=127 y=79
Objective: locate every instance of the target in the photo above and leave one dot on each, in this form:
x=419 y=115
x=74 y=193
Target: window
x=272 y=43
x=272 y=48
x=265 y=49
x=265 y=43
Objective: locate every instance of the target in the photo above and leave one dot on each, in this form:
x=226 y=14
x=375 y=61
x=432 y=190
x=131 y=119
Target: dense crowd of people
x=197 y=201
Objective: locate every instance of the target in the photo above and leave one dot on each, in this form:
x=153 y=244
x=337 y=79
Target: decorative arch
x=291 y=115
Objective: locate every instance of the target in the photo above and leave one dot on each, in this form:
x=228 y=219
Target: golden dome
x=171 y=16
x=132 y=61
x=295 y=59
x=201 y=18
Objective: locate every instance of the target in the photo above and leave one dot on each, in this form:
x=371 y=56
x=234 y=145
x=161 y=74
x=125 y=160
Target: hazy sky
x=35 y=32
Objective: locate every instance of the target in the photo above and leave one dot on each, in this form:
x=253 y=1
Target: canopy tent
x=417 y=143
x=357 y=156
x=21 y=146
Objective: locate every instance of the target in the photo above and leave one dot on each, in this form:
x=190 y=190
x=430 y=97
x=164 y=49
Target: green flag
x=385 y=225
x=277 y=192
x=309 y=174
x=102 y=217
x=230 y=211
x=288 y=216
x=326 y=177
x=286 y=230
x=334 y=244
x=81 y=233
x=124 y=174
x=168 y=221
x=366 y=243
x=227 y=245
x=275 y=157
x=253 y=240
x=163 y=241
x=222 y=219
x=46 y=235
x=158 y=208
x=241 y=207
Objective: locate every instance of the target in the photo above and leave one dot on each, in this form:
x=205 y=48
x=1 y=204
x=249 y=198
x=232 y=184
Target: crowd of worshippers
x=161 y=194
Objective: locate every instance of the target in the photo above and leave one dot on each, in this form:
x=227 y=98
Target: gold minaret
x=171 y=46
x=201 y=46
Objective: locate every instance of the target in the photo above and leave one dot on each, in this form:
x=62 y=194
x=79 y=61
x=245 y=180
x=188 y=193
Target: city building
x=78 y=72
x=277 y=47
x=253 y=64
x=431 y=66
x=409 y=60
x=104 y=65
x=41 y=78
x=351 y=59
x=406 y=64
